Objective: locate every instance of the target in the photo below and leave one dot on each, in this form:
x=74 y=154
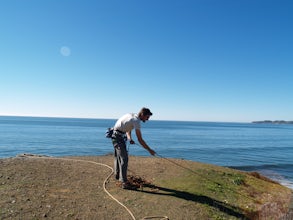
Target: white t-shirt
x=127 y=122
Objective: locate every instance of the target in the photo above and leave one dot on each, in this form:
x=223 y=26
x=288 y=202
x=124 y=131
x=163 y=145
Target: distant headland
x=273 y=122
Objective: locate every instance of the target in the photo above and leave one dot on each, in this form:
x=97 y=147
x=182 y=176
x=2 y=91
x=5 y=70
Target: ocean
x=265 y=148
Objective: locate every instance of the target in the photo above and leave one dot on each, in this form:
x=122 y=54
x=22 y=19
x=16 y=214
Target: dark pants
x=120 y=157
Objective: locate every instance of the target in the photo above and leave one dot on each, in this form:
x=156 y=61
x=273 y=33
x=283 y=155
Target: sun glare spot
x=65 y=51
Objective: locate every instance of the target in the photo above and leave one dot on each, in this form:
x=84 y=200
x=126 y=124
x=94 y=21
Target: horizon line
x=106 y=118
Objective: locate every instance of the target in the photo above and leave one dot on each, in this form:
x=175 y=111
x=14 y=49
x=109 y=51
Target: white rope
x=104 y=184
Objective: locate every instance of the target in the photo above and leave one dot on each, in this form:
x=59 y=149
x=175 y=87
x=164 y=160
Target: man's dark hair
x=144 y=112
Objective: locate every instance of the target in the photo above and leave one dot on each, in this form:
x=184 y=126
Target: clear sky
x=199 y=60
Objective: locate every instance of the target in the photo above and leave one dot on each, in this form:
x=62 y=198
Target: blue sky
x=199 y=60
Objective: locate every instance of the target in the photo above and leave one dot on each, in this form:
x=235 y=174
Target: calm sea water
x=265 y=148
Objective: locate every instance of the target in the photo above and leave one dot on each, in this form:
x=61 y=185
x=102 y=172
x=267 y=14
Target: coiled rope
x=104 y=183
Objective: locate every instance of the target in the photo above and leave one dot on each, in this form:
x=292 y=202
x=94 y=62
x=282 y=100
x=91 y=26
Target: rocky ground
x=72 y=188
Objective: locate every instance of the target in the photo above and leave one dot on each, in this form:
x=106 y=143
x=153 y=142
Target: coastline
x=273 y=122
x=262 y=148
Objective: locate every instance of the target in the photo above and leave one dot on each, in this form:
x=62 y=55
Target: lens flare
x=65 y=51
